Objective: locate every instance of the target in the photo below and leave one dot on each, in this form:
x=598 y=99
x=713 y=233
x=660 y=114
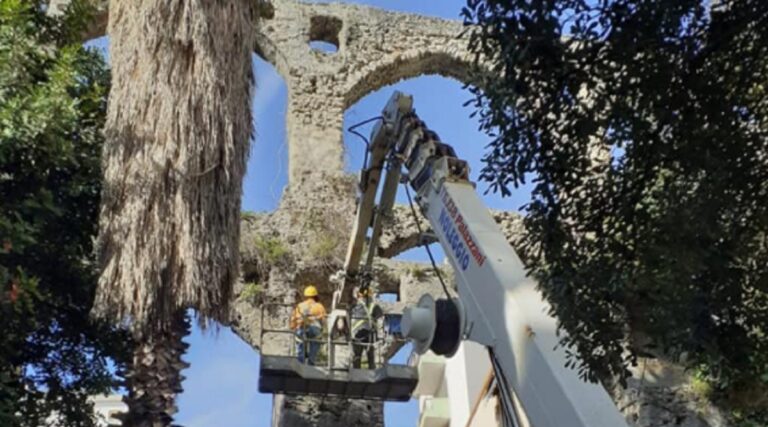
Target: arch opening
x=267 y=170
x=390 y=71
x=439 y=101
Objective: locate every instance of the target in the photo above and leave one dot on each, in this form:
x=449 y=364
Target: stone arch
x=407 y=65
x=266 y=48
x=453 y=61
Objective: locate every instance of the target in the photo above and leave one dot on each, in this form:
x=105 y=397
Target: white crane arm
x=500 y=306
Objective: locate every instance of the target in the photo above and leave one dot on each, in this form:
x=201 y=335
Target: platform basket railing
x=329 y=342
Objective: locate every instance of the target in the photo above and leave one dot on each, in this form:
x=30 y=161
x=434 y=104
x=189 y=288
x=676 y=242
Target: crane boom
x=498 y=305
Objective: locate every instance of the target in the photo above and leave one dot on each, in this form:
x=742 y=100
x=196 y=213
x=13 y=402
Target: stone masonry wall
x=375 y=48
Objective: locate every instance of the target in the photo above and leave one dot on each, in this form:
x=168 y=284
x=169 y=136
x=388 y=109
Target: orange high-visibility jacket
x=309 y=311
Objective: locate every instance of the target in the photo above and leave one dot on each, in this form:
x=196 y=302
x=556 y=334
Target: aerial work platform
x=286 y=375
x=282 y=371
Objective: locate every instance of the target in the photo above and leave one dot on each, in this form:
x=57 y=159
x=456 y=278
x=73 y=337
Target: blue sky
x=220 y=389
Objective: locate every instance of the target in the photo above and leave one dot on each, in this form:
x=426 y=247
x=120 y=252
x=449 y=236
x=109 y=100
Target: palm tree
x=177 y=132
x=155 y=377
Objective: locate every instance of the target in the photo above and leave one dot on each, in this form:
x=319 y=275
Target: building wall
x=106 y=407
x=465 y=373
x=460 y=384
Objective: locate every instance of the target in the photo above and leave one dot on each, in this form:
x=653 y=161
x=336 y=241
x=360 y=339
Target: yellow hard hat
x=310 y=291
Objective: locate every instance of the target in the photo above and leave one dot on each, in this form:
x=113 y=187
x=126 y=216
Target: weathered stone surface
x=301 y=243
x=661 y=394
x=511 y=224
x=401 y=233
x=291 y=411
x=375 y=48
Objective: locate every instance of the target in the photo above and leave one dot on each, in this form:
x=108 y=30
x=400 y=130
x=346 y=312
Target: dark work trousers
x=362 y=341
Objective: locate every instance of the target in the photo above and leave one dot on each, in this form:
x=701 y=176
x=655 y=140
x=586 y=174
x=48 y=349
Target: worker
x=364 y=314
x=307 y=322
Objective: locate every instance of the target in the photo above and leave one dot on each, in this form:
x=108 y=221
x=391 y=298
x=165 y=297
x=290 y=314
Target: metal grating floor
x=285 y=375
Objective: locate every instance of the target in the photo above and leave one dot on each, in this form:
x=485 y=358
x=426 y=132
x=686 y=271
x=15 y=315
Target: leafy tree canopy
x=642 y=125
x=52 y=106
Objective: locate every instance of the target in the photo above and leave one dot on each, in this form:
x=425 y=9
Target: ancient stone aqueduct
x=375 y=48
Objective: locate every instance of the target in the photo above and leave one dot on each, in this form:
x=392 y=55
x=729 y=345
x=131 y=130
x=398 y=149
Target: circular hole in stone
x=324 y=33
x=321 y=46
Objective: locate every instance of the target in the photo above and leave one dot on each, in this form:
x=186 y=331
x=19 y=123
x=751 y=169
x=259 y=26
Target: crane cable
x=510 y=416
x=426 y=245
x=365 y=279
x=352 y=130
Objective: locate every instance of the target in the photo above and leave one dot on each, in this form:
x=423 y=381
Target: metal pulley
x=435 y=325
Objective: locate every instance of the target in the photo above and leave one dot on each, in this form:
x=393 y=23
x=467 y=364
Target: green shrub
x=252 y=292
x=270 y=249
x=323 y=245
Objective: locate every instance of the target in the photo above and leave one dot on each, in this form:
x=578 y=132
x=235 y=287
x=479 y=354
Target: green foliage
x=701 y=384
x=750 y=418
x=323 y=245
x=418 y=272
x=52 y=108
x=248 y=215
x=643 y=127
x=270 y=249
x=322 y=229
x=252 y=292
x=748 y=400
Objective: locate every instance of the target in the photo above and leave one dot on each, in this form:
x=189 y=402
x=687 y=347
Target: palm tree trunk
x=177 y=135
x=155 y=377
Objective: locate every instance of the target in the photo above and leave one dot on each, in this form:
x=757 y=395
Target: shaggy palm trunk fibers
x=178 y=126
x=177 y=134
